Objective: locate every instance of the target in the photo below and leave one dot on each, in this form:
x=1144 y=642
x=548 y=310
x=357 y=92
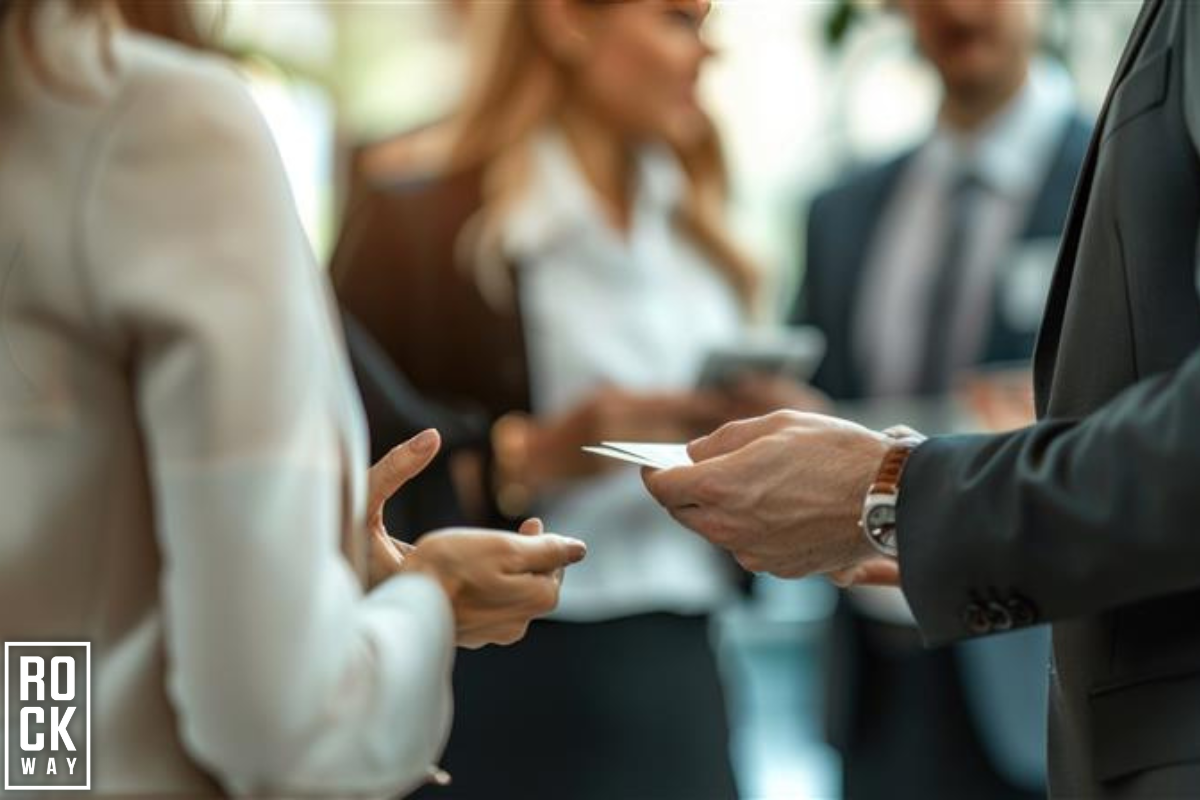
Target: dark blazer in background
x=397 y=271
x=982 y=707
x=1089 y=519
x=421 y=317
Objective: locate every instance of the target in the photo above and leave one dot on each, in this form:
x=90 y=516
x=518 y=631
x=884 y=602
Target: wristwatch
x=878 y=520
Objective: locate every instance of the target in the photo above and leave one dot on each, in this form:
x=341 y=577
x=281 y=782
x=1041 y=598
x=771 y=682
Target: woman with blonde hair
x=562 y=238
x=183 y=451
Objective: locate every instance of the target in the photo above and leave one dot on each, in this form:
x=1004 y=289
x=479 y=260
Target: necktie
x=937 y=367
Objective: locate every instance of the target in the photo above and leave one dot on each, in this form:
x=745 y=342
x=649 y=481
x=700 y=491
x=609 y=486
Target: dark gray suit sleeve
x=1191 y=89
x=1067 y=518
x=1191 y=68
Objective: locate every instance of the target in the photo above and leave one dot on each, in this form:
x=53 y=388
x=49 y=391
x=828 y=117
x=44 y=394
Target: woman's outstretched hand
x=497 y=581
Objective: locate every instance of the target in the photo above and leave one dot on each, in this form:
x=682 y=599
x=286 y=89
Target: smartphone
x=793 y=353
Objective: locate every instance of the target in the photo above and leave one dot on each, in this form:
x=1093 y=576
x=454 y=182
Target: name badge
x=1025 y=283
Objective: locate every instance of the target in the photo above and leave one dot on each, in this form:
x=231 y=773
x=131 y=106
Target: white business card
x=655 y=456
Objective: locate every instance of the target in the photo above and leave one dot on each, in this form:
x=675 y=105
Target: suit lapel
x=1046 y=353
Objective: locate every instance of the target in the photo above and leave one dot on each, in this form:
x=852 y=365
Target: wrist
x=416 y=564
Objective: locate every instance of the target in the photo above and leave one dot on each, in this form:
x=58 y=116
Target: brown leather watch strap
x=887 y=480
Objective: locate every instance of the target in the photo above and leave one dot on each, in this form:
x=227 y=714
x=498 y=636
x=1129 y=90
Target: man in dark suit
x=973 y=265
x=1086 y=520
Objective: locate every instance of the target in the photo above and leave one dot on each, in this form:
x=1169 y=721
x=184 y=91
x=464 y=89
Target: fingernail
x=423 y=442
x=438 y=776
x=576 y=551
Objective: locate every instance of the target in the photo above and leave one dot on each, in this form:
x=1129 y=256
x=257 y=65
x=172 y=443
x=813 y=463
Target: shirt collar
x=558 y=203
x=1010 y=153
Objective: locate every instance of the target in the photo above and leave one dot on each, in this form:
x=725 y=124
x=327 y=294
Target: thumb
x=403 y=463
x=547 y=552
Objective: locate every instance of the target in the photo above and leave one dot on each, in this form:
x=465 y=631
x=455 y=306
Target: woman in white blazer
x=182 y=449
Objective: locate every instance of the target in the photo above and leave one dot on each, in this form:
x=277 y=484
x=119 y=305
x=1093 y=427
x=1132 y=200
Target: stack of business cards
x=655 y=456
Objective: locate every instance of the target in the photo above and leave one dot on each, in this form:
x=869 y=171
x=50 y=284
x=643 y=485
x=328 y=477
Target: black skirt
x=630 y=709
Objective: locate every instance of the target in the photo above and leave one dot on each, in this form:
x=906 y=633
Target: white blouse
x=182 y=447
x=638 y=311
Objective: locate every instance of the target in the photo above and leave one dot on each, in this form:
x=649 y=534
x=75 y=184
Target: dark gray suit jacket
x=1091 y=519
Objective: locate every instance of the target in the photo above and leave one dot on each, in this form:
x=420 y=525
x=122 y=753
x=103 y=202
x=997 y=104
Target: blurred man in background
x=919 y=270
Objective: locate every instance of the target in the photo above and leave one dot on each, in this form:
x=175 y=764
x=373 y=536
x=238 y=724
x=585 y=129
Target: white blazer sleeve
x=286 y=678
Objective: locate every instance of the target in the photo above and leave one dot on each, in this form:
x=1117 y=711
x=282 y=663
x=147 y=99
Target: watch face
x=881 y=517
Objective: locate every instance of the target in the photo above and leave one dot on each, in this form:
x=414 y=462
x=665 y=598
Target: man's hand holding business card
x=784 y=493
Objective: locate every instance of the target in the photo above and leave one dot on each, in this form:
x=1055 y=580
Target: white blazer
x=182 y=454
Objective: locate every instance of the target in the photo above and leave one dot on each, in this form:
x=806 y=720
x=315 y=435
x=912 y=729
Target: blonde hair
x=20 y=16
x=514 y=88
x=171 y=20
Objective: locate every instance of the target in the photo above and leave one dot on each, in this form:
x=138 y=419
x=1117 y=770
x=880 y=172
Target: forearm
x=1070 y=517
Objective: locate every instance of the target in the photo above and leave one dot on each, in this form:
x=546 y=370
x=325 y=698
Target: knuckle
x=710 y=490
x=728 y=428
x=784 y=417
